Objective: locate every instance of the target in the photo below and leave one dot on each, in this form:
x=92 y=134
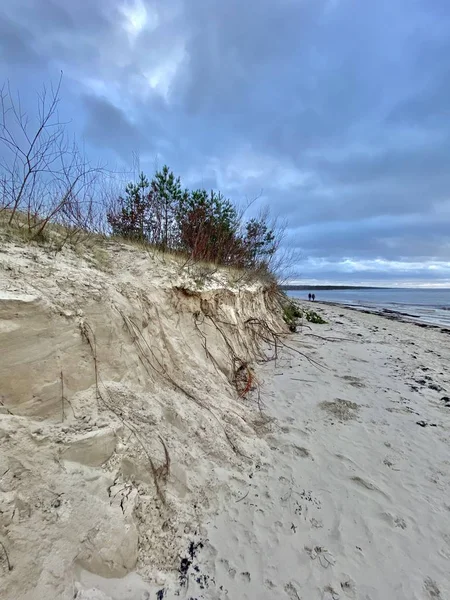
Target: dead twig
x=328 y=339
x=165 y=469
x=243 y=497
x=308 y=358
x=10 y=567
x=86 y=330
x=62 y=398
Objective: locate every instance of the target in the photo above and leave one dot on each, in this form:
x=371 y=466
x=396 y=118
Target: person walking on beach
x=313 y=297
x=309 y=297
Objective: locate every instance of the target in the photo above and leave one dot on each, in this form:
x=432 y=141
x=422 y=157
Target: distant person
x=309 y=297
x=313 y=297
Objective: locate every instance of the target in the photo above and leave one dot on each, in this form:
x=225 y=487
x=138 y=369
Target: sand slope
x=118 y=409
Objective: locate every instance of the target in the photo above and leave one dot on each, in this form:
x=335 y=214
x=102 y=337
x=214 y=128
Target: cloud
x=108 y=127
x=338 y=111
x=15 y=47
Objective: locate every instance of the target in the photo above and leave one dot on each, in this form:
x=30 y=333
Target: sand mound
x=120 y=414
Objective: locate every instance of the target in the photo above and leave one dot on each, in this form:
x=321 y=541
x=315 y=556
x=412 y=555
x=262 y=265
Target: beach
x=430 y=306
x=140 y=461
x=352 y=499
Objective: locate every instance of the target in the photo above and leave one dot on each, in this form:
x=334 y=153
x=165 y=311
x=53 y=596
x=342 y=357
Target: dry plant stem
x=44 y=177
x=204 y=343
x=7 y=409
x=132 y=429
x=243 y=497
x=328 y=339
x=275 y=339
x=136 y=336
x=284 y=345
x=62 y=398
x=271 y=337
x=10 y=568
x=165 y=469
x=308 y=358
x=260 y=401
x=86 y=329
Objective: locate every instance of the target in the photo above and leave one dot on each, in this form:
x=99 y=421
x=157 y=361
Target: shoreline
x=386 y=313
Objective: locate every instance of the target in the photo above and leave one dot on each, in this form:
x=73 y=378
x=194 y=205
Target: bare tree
x=43 y=175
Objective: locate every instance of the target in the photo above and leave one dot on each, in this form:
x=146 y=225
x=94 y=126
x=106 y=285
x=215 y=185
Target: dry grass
x=96 y=247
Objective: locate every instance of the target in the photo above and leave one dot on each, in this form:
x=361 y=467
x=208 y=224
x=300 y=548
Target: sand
x=118 y=409
x=354 y=501
x=351 y=497
x=330 y=480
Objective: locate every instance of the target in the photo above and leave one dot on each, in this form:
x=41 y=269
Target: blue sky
x=337 y=110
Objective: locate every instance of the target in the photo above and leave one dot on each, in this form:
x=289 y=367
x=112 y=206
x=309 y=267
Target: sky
x=334 y=113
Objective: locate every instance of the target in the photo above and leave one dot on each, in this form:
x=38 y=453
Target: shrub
x=204 y=225
x=150 y=210
x=208 y=225
x=130 y=216
x=259 y=241
x=291 y=314
x=313 y=317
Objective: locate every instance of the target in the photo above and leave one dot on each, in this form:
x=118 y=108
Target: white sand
x=334 y=491
x=353 y=503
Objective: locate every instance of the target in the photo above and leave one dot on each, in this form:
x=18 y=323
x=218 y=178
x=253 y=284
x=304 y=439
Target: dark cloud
x=107 y=126
x=337 y=109
x=15 y=47
x=416 y=238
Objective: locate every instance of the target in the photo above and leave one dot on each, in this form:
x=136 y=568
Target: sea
x=423 y=305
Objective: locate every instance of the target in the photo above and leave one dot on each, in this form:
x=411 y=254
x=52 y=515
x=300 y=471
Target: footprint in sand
x=229 y=569
x=354 y=381
x=316 y=523
x=329 y=593
x=363 y=483
x=432 y=588
x=399 y=522
x=302 y=452
x=322 y=555
x=394 y=521
x=291 y=591
x=348 y=586
x=367 y=485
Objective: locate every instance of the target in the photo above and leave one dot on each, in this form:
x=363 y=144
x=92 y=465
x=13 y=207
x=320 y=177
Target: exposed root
x=89 y=336
x=140 y=342
x=164 y=470
x=10 y=567
x=62 y=397
x=328 y=339
x=204 y=342
x=157 y=473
